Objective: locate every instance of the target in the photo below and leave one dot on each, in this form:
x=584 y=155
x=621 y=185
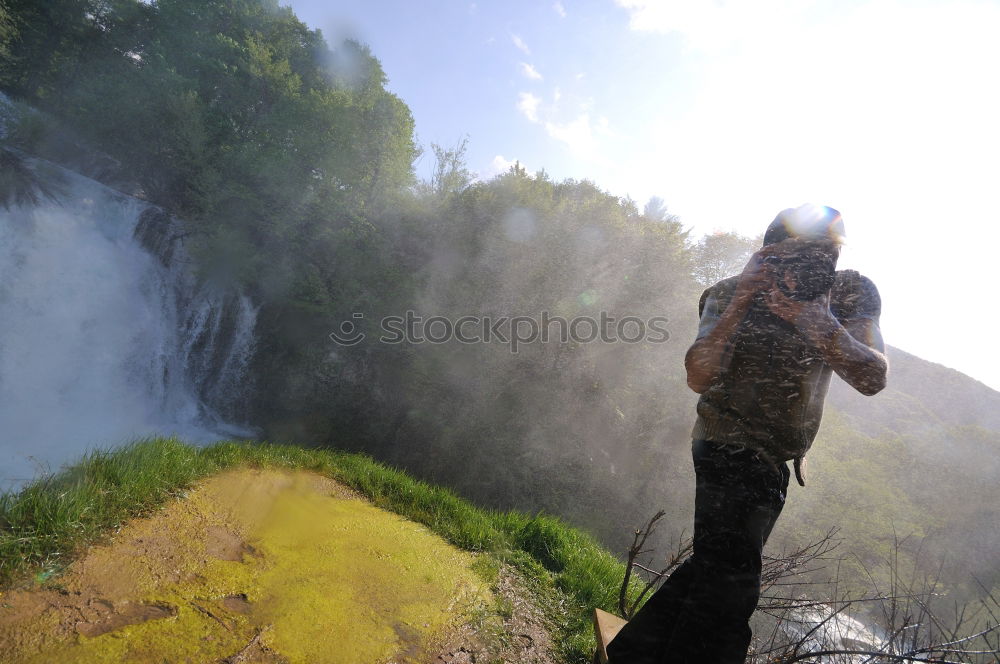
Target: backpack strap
x=800 y=470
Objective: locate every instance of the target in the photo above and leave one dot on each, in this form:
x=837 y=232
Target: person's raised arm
x=709 y=355
x=854 y=349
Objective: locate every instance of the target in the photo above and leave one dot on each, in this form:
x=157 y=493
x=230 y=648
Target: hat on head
x=817 y=222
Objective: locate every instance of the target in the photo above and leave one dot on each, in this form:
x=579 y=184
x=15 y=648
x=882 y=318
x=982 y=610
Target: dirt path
x=271 y=566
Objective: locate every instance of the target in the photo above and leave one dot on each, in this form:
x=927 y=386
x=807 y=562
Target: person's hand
x=757 y=275
x=812 y=317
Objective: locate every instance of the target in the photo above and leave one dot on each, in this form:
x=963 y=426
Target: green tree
x=721 y=255
x=656 y=209
x=451 y=174
x=8 y=32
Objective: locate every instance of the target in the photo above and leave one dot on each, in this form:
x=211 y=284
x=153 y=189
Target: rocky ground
x=519 y=633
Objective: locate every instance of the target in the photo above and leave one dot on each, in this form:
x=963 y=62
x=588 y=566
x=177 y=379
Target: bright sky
x=731 y=111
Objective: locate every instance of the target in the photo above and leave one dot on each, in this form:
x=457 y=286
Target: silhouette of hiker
x=768 y=342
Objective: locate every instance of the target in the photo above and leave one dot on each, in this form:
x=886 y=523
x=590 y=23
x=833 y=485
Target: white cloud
x=713 y=26
x=519 y=43
x=530 y=71
x=676 y=16
x=499 y=165
x=558 y=6
x=577 y=134
x=528 y=104
x=580 y=133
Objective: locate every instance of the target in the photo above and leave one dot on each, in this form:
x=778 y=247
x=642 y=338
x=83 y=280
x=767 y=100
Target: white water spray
x=102 y=340
x=821 y=628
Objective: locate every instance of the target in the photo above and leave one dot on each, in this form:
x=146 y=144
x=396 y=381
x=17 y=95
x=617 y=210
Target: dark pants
x=701 y=612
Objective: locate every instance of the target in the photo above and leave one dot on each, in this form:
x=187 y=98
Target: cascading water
x=822 y=628
x=105 y=335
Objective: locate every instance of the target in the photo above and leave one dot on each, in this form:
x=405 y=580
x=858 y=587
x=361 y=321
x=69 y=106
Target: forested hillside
x=289 y=164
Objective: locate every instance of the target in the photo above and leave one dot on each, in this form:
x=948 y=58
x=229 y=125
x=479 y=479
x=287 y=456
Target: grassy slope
x=43 y=527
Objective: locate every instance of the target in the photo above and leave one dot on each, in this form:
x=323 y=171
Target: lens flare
x=807 y=221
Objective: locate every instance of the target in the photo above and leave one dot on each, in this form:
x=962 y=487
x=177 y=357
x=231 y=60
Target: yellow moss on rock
x=291 y=563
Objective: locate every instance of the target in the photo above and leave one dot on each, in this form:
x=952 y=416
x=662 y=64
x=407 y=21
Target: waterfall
x=105 y=333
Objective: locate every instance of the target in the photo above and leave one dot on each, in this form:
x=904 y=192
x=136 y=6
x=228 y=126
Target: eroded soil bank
x=253 y=566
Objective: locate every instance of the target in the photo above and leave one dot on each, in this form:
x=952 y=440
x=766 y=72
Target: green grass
x=46 y=524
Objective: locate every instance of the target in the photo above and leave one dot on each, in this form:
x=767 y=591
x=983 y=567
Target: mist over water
x=102 y=341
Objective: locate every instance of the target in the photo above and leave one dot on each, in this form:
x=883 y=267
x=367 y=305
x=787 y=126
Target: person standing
x=767 y=345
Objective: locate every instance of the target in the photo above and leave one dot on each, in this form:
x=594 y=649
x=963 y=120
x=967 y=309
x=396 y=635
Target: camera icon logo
x=348 y=334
